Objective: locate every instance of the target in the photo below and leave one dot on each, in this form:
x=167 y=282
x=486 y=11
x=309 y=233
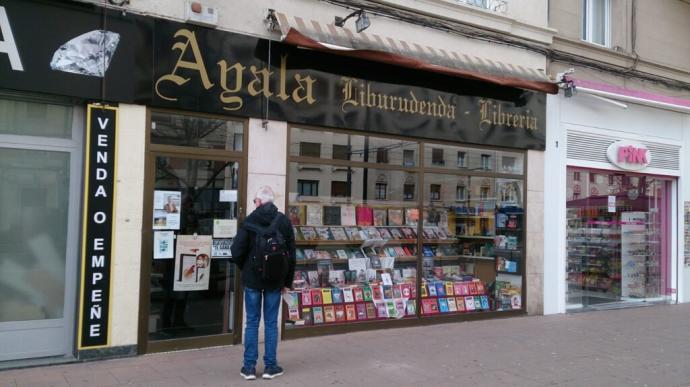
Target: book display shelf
x=384 y=231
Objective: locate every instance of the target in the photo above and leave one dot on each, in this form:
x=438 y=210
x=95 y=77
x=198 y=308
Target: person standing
x=247 y=252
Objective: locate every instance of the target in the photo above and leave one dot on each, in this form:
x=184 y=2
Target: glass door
x=192 y=281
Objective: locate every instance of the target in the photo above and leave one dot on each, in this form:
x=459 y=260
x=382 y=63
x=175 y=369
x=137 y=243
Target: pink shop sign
x=629 y=155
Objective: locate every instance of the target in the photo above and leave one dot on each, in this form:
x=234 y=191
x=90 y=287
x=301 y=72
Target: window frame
x=377 y=191
x=302 y=148
x=587 y=23
x=302 y=182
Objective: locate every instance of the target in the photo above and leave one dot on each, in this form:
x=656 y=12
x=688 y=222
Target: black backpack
x=271 y=259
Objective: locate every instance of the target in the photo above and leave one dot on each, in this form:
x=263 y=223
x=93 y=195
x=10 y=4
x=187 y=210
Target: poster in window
x=192 y=262
x=163 y=243
x=166 y=210
x=221 y=248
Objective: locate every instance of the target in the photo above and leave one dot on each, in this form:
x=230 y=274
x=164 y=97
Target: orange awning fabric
x=342 y=41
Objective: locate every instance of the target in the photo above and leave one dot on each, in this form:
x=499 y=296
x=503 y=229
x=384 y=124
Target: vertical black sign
x=99 y=182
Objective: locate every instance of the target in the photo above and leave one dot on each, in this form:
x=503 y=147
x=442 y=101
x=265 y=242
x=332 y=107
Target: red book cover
x=316 y=297
x=429 y=306
x=377 y=293
x=413 y=291
x=464 y=290
x=371 y=310
x=359 y=294
x=381 y=310
x=460 y=301
x=350 y=312
x=306 y=298
x=329 y=314
x=472 y=288
x=406 y=293
x=480 y=287
x=397 y=291
x=364 y=216
x=361 y=311
x=457 y=287
x=340 y=313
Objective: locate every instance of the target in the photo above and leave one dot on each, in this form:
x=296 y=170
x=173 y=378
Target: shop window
x=486 y=162
x=596 y=21
x=339 y=189
x=341 y=152
x=381 y=191
x=308 y=187
x=507 y=164
x=461 y=193
x=310 y=149
x=408 y=158
x=484 y=193
x=435 y=192
x=35 y=119
x=382 y=156
x=195 y=131
x=437 y=157
x=408 y=191
x=462 y=157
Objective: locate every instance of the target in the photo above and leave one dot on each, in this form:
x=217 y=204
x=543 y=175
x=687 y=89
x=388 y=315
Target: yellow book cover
x=327 y=298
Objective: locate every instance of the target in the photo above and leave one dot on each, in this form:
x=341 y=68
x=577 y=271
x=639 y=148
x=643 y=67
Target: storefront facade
x=414 y=195
x=617 y=234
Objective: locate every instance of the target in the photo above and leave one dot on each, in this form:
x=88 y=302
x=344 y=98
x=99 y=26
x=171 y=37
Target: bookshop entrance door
x=193 y=288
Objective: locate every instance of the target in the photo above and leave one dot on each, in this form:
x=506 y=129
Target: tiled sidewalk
x=633 y=347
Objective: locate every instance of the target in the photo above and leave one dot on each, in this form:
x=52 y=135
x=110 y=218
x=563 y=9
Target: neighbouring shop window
x=596 y=21
x=357 y=256
x=341 y=152
x=618 y=239
x=27 y=118
x=308 y=187
x=310 y=149
x=194 y=131
x=381 y=191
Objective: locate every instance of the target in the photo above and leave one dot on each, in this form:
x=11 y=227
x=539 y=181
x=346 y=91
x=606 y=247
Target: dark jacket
x=244 y=248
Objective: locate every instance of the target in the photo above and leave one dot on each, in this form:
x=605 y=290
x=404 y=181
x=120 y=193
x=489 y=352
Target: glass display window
x=618 y=238
x=358 y=253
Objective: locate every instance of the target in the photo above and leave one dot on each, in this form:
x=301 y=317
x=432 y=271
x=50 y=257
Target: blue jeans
x=252 y=307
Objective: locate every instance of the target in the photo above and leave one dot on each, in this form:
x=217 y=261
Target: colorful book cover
x=298 y=234
x=411 y=307
x=324 y=234
x=380 y=217
x=307 y=316
x=429 y=233
x=397 y=291
x=457 y=288
x=396 y=233
x=367 y=293
x=469 y=303
x=314 y=215
x=337 y=295
x=424 y=291
x=309 y=254
x=381 y=310
x=485 y=302
x=480 y=287
x=443 y=305
x=318 y=315
x=472 y=288
x=358 y=293
x=413 y=289
x=292 y=299
x=399 y=308
x=309 y=233
x=395 y=217
x=313 y=278
x=347 y=215
x=297 y=215
x=478 y=303
x=339 y=233
x=348 y=295
x=361 y=311
x=350 y=312
x=406 y=293
x=372 y=233
x=432 y=290
x=384 y=233
x=411 y=216
x=299 y=255
x=340 y=313
x=306 y=297
x=353 y=233
x=293 y=314
x=387 y=292
x=449 y=288
x=364 y=216
x=316 y=297
x=377 y=292
x=329 y=314
x=342 y=254
x=440 y=289
x=371 y=310
x=429 y=306
x=452 y=305
x=331 y=215
x=464 y=289
x=408 y=233
x=326 y=296
x=461 y=303
x=336 y=278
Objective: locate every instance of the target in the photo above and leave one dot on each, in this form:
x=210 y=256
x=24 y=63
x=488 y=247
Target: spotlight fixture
x=361 y=24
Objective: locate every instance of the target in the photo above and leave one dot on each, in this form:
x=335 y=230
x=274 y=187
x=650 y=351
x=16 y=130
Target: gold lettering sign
x=492 y=113
x=358 y=94
x=232 y=77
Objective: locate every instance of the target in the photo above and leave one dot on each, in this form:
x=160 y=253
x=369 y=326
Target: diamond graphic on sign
x=87 y=54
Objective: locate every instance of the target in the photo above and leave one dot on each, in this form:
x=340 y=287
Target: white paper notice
x=228 y=195
x=192 y=263
x=163 y=242
x=166 y=210
x=386 y=279
x=224 y=228
x=612 y=203
x=221 y=248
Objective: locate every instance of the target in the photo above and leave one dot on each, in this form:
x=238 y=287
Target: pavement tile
x=135 y=374
x=90 y=378
x=42 y=381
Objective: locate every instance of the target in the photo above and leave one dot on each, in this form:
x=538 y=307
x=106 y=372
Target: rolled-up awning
x=342 y=41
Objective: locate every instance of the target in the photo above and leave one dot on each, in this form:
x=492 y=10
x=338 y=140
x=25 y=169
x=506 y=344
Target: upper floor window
x=310 y=149
x=595 y=21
